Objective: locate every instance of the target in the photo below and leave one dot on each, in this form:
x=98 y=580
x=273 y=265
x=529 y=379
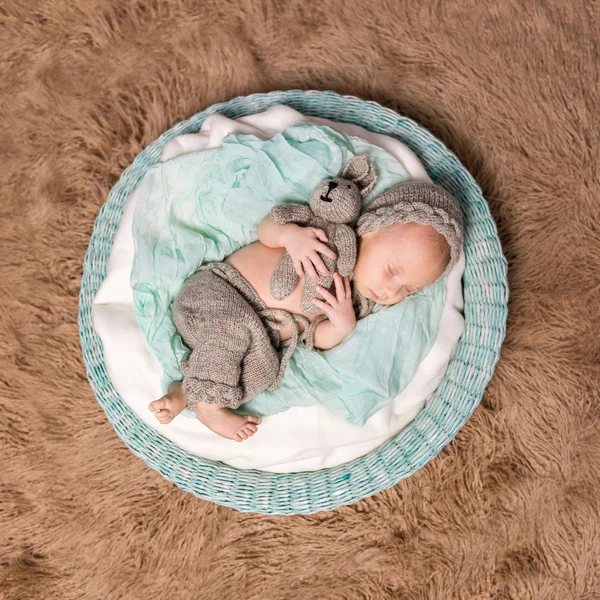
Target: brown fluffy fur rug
x=510 y=508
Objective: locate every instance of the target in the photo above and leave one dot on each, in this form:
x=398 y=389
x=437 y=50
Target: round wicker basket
x=485 y=289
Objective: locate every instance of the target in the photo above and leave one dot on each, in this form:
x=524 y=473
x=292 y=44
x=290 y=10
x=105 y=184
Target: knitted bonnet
x=417 y=202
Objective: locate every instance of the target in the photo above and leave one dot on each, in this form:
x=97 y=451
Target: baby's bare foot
x=165 y=409
x=225 y=423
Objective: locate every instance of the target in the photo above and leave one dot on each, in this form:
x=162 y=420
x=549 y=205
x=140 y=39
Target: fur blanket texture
x=509 y=509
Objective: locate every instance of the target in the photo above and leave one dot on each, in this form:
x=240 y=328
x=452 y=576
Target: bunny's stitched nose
x=332 y=186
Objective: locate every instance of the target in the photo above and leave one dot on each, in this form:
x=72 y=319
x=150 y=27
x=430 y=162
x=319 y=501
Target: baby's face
x=396 y=261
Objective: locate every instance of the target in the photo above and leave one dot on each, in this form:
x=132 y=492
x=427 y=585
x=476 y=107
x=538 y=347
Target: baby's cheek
x=398 y=298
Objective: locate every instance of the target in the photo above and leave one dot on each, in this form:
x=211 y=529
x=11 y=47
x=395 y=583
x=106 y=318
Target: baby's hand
x=339 y=307
x=302 y=244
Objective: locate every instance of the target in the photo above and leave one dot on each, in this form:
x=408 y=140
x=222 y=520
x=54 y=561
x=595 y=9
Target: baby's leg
x=219 y=326
x=211 y=384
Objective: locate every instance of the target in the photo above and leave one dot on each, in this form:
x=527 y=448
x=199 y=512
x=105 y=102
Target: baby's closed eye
x=405 y=289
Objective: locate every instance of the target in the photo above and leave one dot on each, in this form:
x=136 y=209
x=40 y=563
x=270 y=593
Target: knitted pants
x=233 y=338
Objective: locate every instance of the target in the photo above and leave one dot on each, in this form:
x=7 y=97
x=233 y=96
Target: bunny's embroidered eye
x=349 y=186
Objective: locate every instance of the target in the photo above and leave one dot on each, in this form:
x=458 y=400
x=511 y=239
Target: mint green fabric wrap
x=203 y=206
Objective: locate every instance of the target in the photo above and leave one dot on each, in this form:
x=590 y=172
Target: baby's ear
x=361 y=170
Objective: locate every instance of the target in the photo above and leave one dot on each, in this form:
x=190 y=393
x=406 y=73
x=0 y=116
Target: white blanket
x=302 y=438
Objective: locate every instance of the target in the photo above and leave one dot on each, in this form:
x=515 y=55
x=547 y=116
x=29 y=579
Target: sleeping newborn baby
x=408 y=238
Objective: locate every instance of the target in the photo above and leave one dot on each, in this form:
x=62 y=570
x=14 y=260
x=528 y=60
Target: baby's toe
x=158 y=404
x=250 y=428
x=253 y=419
x=245 y=433
x=164 y=416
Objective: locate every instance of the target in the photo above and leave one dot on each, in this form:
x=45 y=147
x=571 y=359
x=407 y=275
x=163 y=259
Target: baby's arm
x=326 y=336
x=302 y=244
x=273 y=234
x=273 y=229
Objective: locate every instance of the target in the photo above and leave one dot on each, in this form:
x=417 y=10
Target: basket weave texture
x=485 y=290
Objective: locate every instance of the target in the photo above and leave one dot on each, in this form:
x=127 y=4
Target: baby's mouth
x=374 y=294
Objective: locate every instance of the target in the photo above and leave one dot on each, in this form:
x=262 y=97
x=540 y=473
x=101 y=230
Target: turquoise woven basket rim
x=485 y=289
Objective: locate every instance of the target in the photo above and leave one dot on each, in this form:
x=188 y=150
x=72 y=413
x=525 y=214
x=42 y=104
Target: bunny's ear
x=362 y=171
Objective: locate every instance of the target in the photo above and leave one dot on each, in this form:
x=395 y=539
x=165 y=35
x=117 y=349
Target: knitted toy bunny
x=334 y=206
